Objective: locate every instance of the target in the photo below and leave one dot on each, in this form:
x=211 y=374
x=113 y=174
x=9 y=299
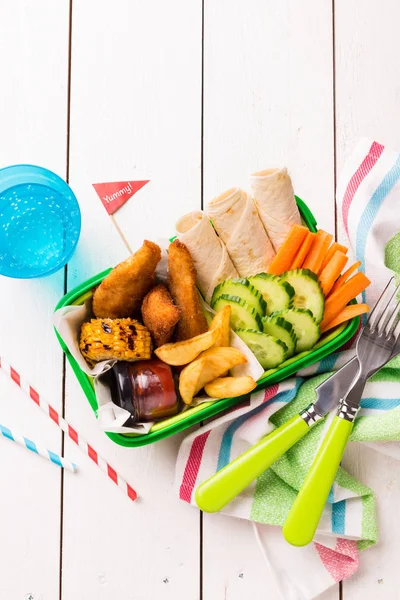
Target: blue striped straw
x=37 y=449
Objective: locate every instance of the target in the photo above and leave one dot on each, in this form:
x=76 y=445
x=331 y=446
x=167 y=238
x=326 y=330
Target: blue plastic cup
x=40 y=222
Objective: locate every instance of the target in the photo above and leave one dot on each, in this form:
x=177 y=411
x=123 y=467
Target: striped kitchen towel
x=368 y=199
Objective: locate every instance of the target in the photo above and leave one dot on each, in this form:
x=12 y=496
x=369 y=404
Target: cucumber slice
x=269 y=351
x=278 y=294
x=308 y=292
x=305 y=327
x=242 y=314
x=283 y=330
x=241 y=287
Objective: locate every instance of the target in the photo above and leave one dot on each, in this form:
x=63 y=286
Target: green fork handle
x=302 y=521
x=226 y=484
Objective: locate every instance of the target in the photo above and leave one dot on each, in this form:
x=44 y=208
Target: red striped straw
x=69 y=430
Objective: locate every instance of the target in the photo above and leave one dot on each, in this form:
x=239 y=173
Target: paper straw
x=69 y=430
x=37 y=448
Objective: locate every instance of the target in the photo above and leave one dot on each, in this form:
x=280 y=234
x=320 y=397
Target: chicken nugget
x=160 y=314
x=182 y=285
x=121 y=293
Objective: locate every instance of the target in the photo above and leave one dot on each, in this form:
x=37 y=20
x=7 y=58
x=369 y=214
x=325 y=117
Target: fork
x=374 y=349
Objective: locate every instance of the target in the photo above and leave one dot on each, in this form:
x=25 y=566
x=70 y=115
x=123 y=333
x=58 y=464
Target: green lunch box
x=326 y=345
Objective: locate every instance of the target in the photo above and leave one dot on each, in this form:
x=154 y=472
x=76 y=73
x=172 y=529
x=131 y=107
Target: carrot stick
x=288 y=250
x=303 y=251
x=335 y=246
x=336 y=302
x=343 y=278
x=349 y=312
x=328 y=276
x=318 y=251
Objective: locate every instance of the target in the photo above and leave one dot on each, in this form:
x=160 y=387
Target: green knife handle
x=226 y=484
x=302 y=521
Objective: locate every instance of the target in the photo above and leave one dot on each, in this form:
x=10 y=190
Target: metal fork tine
x=393 y=320
x=375 y=313
x=397 y=330
x=382 y=323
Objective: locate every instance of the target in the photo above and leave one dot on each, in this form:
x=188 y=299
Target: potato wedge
x=189 y=380
x=208 y=366
x=230 y=387
x=182 y=353
x=221 y=322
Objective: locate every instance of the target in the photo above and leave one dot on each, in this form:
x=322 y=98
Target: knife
x=375 y=347
x=222 y=487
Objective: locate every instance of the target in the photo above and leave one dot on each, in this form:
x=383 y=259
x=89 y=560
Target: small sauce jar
x=146 y=389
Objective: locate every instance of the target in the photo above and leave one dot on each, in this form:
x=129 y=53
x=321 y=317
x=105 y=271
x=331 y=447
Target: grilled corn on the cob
x=119 y=339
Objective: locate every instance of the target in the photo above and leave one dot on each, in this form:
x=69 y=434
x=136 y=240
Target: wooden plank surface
x=268 y=101
x=268 y=96
x=367 y=92
x=33 y=117
x=136 y=114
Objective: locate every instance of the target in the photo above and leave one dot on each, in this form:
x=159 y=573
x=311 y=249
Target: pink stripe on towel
x=369 y=161
x=192 y=467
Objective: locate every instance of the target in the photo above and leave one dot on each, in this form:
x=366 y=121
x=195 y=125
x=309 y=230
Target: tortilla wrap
x=209 y=253
x=274 y=197
x=238 y=224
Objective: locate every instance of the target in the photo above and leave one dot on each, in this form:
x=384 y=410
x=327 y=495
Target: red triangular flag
x=114 y=194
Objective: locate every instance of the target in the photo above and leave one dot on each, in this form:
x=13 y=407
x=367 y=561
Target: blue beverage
x=39 y=222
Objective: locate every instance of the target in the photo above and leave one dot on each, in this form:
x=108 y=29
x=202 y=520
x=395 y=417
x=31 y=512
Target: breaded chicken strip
x=182 y=285
x=160 y=315
x=121 y=293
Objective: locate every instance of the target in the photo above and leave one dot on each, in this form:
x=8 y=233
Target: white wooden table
x=193 y=97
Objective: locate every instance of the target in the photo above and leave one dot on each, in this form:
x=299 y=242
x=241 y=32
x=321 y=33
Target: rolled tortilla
x=238 y=224
x=274 y=197
x=209 y=253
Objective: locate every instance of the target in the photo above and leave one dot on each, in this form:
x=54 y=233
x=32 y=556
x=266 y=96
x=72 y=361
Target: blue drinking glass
x=40 y=222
